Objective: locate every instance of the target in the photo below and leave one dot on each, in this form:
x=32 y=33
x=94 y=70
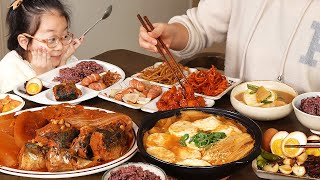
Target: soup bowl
x=201 y=172
x=307 y=120
x=259 y=113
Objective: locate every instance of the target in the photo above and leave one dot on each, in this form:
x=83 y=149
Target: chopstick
x=149 y=29
x=302 y=146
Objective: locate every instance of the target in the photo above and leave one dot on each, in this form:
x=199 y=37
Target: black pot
x=207 y=172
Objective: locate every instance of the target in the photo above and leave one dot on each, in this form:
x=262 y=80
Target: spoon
x=105 y=15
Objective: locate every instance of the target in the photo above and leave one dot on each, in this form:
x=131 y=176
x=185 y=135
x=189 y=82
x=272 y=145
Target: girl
x=39 y=41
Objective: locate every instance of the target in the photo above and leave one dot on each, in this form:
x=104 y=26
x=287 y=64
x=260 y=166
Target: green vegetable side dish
x=270 y=157
x=202 y=139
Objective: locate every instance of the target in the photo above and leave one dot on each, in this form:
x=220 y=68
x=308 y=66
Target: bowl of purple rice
x=134 y=171
x=307 y=110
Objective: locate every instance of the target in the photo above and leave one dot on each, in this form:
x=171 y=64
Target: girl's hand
x=72 y=47
x=148 y=40
x=40 y=61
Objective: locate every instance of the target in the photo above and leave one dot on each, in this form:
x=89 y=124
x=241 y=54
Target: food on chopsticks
x=177 y=97
x=7 y=104
x=195 y=138
x=208 y=82
x=77 y=73
x=260 y=96
x=163 y=74
x=101 y=81
x=311 y=105
x=33 y=86
x=64 y=138
x=66 y=92
x=297 y=161
x=138 y=92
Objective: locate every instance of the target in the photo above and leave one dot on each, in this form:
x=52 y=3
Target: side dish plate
x=270 y=175
x=46 y=97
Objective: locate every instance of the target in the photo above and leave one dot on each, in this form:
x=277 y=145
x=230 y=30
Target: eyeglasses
x=54 y=40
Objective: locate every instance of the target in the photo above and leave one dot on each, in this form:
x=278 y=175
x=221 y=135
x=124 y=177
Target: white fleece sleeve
x=206 y=24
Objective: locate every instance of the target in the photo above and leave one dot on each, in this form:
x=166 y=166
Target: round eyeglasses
x=54 y=40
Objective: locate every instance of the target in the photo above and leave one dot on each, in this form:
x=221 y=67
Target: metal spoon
x=105 y=15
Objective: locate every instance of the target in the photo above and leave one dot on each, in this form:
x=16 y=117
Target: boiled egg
x=34 y=86
x=313 y=151
x=276 y=142
x=294 y=138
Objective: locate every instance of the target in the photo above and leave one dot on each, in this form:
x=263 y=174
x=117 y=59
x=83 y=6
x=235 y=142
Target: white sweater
x=265 y=39
x=14 y=70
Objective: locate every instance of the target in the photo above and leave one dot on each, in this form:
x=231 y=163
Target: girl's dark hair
x=27 y=18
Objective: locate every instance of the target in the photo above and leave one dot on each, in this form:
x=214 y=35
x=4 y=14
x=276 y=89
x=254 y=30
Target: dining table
x=132 y=62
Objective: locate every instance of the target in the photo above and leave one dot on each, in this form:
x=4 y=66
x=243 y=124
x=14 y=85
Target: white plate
x=271 y=175
x=122 y=85
x=77 y=173
x=151 y=107
x=47 y=98
x=14 y=97
x=49 y=76
x=232 y=83
x=159 y=84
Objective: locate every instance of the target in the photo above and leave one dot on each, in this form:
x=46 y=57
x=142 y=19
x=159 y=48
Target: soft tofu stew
x=260 y=96
x=195 y=138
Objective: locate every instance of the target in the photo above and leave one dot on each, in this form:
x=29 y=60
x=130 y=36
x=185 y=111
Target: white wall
x=120 y=30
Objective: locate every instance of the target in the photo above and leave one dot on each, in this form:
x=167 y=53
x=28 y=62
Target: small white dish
x=308 y=120
x=87 y=93
x=159 y=84
x=145 y=166
x=259 y=113
x=14 y=97
x=105 y=94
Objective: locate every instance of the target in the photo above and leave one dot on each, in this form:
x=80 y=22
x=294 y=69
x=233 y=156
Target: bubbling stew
x=195 y=138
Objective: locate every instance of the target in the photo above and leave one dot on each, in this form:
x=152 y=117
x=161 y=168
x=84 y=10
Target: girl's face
x=51 y=24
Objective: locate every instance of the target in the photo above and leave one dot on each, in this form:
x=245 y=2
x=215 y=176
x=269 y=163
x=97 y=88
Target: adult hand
x=148 y=40
x=71 y=49
x=40 y=61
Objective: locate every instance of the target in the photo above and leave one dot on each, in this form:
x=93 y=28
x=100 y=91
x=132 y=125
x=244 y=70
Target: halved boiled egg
x=34 y=86
x=276 y=142
x=294 y=138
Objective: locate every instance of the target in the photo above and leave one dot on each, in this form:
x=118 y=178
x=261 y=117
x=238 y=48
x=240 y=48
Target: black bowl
x=206 y=172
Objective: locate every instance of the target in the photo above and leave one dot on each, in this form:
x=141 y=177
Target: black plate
x=212 y=172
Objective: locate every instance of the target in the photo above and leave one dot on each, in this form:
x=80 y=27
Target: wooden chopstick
x=313 y=141
x=302 y=146
x=166 y=50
